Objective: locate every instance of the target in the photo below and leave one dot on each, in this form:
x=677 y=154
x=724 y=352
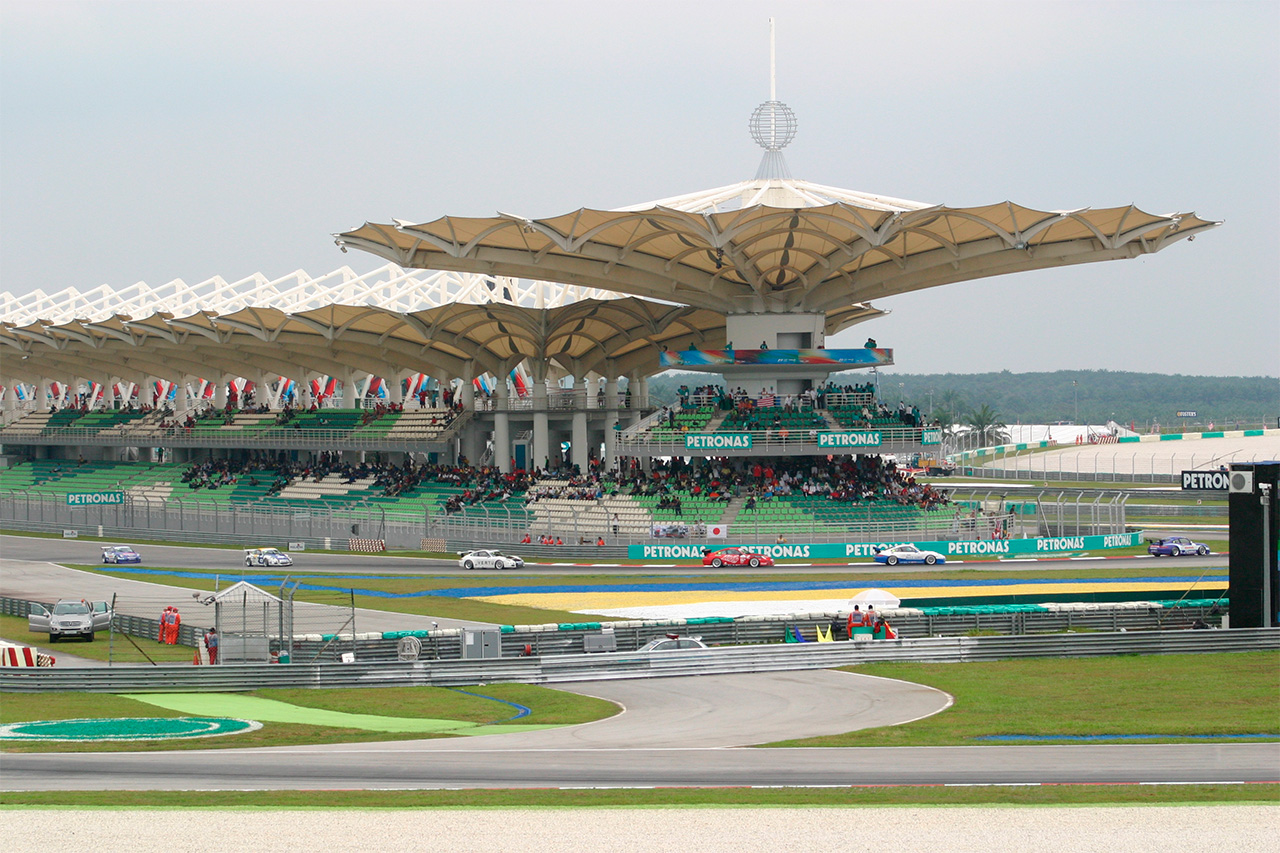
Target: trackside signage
x=1206 y=481
x=867 y=550
x=931 y=436
x=849 y=439
x=94 y=498
x=718 y=441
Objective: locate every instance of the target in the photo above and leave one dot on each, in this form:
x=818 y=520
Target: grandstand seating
x=592 y=518
x=772 y=418
x=808 y=511
x=686 y=420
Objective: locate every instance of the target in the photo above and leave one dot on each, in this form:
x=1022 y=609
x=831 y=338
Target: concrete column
x=220 y=391
x=183 y=403
x=502 y=427
x=579 y=446
x=541 y=440
x=467 y=393
x=633 y=413
x=262 y=391
x=350 y=394
x=395 y=391
x=10 y=403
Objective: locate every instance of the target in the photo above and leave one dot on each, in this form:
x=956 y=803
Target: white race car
x=488 y=559
x=270 y=557
x=908 y=554
x=120 y=554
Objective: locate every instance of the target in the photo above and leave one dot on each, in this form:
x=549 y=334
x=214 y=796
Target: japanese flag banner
x=717 y=531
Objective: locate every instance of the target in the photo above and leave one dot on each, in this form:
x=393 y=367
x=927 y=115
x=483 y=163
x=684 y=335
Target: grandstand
x=292 y=402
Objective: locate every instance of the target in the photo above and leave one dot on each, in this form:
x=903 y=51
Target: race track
x=678 y=731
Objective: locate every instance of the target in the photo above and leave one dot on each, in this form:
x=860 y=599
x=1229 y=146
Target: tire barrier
x=366 y=545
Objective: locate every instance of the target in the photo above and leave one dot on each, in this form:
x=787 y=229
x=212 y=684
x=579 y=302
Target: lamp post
x=1075 y=391
x=930 y=402
x=901 y=392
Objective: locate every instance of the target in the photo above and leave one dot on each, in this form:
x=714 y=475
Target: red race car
x=735 y=557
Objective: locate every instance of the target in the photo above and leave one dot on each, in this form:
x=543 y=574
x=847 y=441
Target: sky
x=144 y=141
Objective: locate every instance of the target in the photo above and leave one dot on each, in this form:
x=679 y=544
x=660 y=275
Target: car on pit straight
x=488 y=558
x=120 y=554
x=673 y=643
x=735 y=557
x=268 y=557
x=69 y=618
x=1175 y=546
x=908 y=554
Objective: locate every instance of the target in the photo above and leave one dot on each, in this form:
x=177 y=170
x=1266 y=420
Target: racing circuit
x=490 y=384
x=673 y=732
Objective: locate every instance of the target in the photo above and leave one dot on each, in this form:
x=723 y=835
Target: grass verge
x=1173 y=696
x=547 y=706
x=1047 y=795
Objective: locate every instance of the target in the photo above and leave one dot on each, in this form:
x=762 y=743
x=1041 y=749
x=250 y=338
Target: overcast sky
x=154 y=141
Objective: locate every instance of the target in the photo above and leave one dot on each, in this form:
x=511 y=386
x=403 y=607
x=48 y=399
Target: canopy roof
x=776 y=245
x=609 y=336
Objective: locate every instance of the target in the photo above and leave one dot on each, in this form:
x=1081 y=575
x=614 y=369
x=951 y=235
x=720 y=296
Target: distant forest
x=1102 y=395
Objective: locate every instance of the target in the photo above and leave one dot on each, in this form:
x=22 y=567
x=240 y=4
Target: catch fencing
x=554 y=669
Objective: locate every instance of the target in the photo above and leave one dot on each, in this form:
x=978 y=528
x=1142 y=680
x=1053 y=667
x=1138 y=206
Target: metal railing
x=789 y=442
x=620 y=665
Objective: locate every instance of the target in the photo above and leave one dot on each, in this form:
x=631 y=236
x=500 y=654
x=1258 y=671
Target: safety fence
x=1117 y=462
x=551 y=669
x=630 y=635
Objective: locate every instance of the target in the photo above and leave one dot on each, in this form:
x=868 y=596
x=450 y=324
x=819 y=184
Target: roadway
x=691 y=731
x=230 y=561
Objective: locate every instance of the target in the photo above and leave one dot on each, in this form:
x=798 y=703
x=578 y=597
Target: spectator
x=211 y=643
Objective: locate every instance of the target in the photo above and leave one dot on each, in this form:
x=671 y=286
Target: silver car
x=672 y=643
x=69 y=618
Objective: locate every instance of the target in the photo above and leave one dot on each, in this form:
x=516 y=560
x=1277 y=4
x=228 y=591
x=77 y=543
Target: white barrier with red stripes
x=367 y=545
x=11 y=655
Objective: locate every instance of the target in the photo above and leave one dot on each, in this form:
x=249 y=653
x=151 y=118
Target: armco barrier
x=616 y=665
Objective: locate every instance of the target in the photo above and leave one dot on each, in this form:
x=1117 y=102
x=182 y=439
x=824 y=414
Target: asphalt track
x=673 y=732
x=230 y=561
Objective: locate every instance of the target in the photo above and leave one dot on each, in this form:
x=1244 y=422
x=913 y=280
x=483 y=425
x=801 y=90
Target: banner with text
x=849 y=439
x=94 y=498
x=867 y=550
x=718 y=441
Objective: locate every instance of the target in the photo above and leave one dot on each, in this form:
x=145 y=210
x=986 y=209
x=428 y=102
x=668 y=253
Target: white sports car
x=270 y=557
x=908 y=554
x=488 y=559
x=120 y=554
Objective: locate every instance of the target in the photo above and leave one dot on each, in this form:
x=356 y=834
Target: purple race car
x=1175 y=546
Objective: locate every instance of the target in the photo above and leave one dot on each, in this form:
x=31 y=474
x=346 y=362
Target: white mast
x=773 y=75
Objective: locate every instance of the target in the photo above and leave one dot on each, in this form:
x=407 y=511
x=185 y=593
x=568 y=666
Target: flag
x=717 y=531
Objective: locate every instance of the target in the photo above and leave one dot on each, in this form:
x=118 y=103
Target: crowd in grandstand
x=850 y=479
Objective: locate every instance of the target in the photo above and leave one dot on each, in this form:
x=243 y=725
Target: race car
x=1175 y=546
x=270 y=557
x=735 y=557
x=120 y=554
x=908 y=554
x=488 y=559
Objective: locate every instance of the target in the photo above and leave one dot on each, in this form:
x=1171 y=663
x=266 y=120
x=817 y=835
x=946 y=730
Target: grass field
x=1124 y=695
x=1172 y=696
x=548 y=707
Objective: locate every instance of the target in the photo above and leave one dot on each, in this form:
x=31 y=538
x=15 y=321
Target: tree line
x=1068 y=396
